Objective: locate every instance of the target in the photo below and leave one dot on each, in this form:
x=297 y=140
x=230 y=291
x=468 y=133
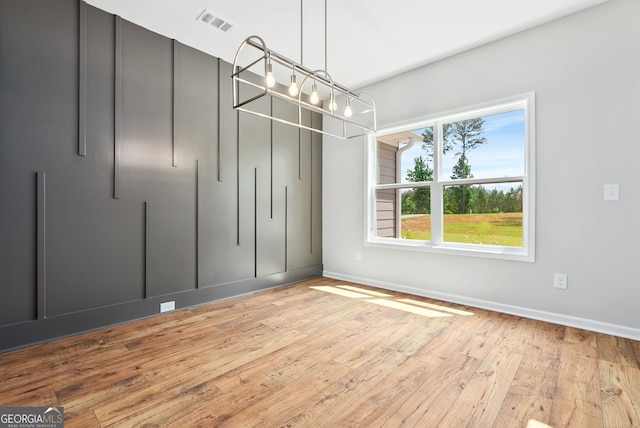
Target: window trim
x=526 y=253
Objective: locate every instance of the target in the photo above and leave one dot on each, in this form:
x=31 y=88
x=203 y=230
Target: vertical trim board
x=82 y=78
x=299 y=153
x=311 y=187
x=219 y=163
x=41 y=245
x=271 y=161
x=255 y=222
x=174 y=111
x=117 y=107
x=197 y=260
x=147 y=226
x=286 y=228
x=238 y=175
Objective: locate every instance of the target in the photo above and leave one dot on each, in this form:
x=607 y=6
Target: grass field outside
x=504 y=229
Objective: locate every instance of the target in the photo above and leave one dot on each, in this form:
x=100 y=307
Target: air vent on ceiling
x=215 y=21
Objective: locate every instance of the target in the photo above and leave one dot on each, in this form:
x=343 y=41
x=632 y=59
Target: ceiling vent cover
x=215 y=21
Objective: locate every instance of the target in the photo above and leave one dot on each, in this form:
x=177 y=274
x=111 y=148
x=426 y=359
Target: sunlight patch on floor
x=535 y=424
x=341 y=292
x=417 y=307
x=409 y=308
x=436 y=307
x=363 y=290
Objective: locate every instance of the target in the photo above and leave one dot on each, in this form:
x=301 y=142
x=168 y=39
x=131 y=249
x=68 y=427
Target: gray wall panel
x=285 y=173
x=38 y=120
x=254 y=182
x=222 y=258
x=94 y=247
x=196 y=128
x=269 y=219
x=95 y=243
x=316 y=190
x=300 y=231
x=147 y=159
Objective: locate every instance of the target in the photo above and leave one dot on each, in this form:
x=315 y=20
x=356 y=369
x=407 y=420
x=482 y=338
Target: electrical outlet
x=167 y=306
x=358 y=255
x=560 y=280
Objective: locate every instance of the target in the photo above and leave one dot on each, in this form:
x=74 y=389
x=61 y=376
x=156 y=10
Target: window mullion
x=436 y=188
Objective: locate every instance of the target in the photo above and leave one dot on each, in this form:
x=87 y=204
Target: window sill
x=484 y=251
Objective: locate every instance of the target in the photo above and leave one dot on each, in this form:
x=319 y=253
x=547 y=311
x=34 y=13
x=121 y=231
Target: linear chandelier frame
x=357 y=119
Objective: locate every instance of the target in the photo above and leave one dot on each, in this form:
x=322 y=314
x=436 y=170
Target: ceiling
x=367 y=40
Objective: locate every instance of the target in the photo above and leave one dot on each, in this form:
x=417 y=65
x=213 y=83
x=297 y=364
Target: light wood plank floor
x=326 y=353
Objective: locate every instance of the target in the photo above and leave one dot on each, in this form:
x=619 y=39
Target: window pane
x=416 y=226
x=416 y=201
x=405 y=157
x=489 y=214
x=386 y=163
x=415 y=218
x=386 y=203
x=412 y=221
x=484 y=147
x=417 y=159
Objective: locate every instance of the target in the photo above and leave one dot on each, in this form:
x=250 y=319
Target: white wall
x=585 y=71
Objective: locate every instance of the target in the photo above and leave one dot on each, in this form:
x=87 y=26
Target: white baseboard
x=567 y=320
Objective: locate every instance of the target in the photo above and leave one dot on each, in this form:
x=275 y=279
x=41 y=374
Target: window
x=461 y=182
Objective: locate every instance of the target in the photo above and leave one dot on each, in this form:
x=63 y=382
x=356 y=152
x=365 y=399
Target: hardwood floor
x=326 y=353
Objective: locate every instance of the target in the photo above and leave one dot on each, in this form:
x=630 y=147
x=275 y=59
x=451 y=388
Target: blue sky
x=502 y=155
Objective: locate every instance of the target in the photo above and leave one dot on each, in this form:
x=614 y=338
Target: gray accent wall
x=127 y=179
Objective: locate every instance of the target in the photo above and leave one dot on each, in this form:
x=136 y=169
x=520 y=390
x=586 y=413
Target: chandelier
x=346 y=114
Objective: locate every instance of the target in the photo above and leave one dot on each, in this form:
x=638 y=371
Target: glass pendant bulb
x=314 y=94
x=333 y=106
x=269 y=79
x=347 y=110
x=293 y=88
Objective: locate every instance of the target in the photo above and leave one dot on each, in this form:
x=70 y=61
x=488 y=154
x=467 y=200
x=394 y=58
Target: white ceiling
x=367 y=40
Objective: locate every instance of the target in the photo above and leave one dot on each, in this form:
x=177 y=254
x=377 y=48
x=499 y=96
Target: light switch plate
x=611 y=192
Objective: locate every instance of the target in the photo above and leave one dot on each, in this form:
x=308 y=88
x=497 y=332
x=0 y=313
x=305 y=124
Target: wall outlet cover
x=167 y=306
x=560 y=281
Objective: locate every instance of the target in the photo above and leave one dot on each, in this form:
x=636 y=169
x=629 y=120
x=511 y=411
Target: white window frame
x=526 y=252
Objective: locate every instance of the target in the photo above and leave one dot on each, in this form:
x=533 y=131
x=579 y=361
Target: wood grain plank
x=83 y=420
x=214 y=411
x=484 y=337
x=537 y=374
x=441 y=346
x=381 y=402
x=580 y=336
x=517 y=335
x=438 y=391
x=480 y=401
x=548 y=338
x=223 y=359
x=577 y=401
x=287 y=364
x=620 y=394
x=370 y=348
x=616 y=350
x=145 y=404
x=305 y=389
x=519 y=410
x=93 y=400
x=332 y=400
